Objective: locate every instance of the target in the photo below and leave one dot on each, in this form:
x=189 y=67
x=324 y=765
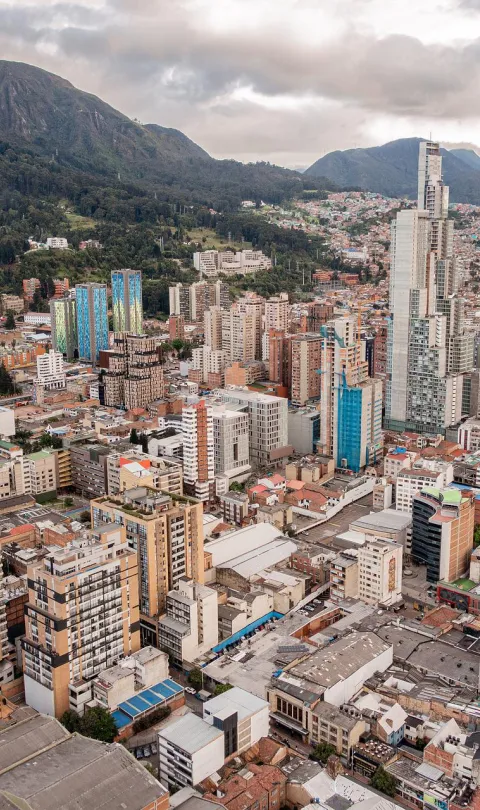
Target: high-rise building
x=190 y=627
x=63 y=315
x=351 y=412
x=428 y=349
x=276 y=312
x=50 y=371
x=442 y=532
x=280 y=358
x=254 y=305
x=212 y=327
x=167 y=536
x=198 y=453
x=268 y=424
x=92 y=320
x=179 y=299
x=127 y=301
x=380 y=572
x=133 y=377
x=239 y=332
x=30 y=287
x=176 y=327
x=305 y=368
x=81 y=615
x=230 y=442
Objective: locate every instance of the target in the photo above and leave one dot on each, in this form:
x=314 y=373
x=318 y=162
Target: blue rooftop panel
x=172 y=685
x=121 y=719
x=162 y=691
x=139 y=703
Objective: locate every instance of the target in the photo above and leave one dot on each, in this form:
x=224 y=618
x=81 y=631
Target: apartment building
x=277 y=312
x=50 y=371
x=210 y=263
x=189 y=628
x=131 y=374
x=234 y=507
x=280 y=358
x=39 y=473
x=57 y=243
x=89 y=468
x=469 y=435
x=30 y=287
x=344 y=576
x=81 y=615
x=425 y=473
x=244 y=374
x=168 y=538
x=230 y=442
x=211 y=365
x=239 y=334
x=336 y=727
x=442 y=532
x=12 y=303
x=268 y=423
x=306 y=362
x=63 y=314
x=131 y=468
x=380 y=573
x=198 y=450
x=212 y=328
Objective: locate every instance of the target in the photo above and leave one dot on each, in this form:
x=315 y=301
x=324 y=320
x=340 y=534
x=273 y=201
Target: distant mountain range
x=391 y=170
x=76 y=138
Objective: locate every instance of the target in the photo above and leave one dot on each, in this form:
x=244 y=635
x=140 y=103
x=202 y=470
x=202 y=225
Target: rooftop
x=190 y=733
x=238 y=700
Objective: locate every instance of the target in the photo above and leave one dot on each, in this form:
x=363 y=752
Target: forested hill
x=55 y=139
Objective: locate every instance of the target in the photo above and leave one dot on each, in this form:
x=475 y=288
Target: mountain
x=45 y=120
x=468 y=156
x=391 y=170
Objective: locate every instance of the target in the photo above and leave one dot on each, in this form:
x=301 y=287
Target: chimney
x=334 y=766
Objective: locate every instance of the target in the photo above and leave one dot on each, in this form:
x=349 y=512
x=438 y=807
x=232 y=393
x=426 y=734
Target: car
x=309 y=608
x=139 y=753
x=146 y=751
x=190 y=690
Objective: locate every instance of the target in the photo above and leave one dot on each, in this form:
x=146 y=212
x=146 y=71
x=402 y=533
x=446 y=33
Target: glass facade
x=127 y=301
x=92 y=320
x=64 y=326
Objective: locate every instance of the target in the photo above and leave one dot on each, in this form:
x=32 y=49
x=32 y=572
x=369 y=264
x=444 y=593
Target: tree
x=195 y=677
x=323 y=751
x=85 y=516
x=221 y=688
x=71 y=721
x=10 y=320
x=476 y=535
x=384 y=781
x=98 y=723
x=134 y=436
x=144 y=442
x=68 y=502
x=7 y=387
x=236 y=486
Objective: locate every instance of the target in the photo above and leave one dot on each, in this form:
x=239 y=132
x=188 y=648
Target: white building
x=189 y=750
x=380 y=572
x=50 y=371
x=7 y=423
x=427 y=473
x=268 y=423
x=469 y=435
x=243 y=717
x=231 y=442
x=210 y=263
x=276 y=312
x=190 y=626
x=37 y=318
x=57 y=243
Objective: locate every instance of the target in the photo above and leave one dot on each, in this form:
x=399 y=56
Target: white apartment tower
x=50 y=371
x=198 y=454
x=428 y=350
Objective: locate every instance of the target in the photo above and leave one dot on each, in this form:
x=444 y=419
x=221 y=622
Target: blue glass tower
x=92 y=320
x=127 y=301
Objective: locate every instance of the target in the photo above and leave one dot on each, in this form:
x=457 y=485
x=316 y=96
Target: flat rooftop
x=190 y=733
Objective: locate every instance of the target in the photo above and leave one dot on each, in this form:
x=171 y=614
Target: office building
x=424 y=473
x=305 y=368
x=63 y=315
x=131 y=375
x=442 y=532
x=351 y=412
x=198 y=450
x=50 y=371
x=268 y=424
x=189 y=627
x=168 y=537
x=428 y=349
x=127 y=301
x=81 y=616
x=380 y=573
x=277 y=313
x=92 y=320
x=189 y=750
x=210 y=263
x=230 y=442
x=89 y=468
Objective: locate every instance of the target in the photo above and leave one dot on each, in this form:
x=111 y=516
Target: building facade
x=127 y=301
x=133 y=376
x=198 y=450
x=63 y=314
x=92 y=320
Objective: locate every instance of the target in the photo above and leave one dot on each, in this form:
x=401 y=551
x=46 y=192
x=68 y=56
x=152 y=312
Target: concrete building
x=442 y=532
x=81 y=616
x=335 y=727
x=427 y=473
x=280 y=358
x=57 y=243
x=39 y=473
x=89 y=468
x=234 y=507
x=380 y=573
x=306 y=362
x=50 y=371
x=277 y=312
x=198 y=450
x=168 y=538
x=144 y=668
x=7 y=423
x=189 y=750
x=127 y=304
x=239 y=334
x=63 y=316
x=469 y=435
x=268 y=424
x=212 y=328
x=210 y=263
x=92 y=320
x=131 y=375
x=303 y=430
x=230 y=442
x=243 y=717
x=131 y=469
x=189 y=628
x=344 y=576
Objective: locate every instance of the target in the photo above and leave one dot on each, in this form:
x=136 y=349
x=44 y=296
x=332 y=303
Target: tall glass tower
x=92 y=320
x=127 y=301
x=64 y=325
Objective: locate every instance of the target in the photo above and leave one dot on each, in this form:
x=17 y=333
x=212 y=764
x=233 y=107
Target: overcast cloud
x=279 y=80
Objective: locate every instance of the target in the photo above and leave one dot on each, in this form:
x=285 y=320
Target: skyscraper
x=127 y=301
x=198 y=450
x=133 y=377
x=64 y=325
x=428 y=349
x=92 y=320
x=306 y=360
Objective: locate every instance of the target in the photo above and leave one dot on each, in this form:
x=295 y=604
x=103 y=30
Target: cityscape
x=239 y=409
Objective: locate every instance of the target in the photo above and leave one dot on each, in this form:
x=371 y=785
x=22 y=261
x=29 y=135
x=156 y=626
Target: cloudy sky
x=278 y=80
